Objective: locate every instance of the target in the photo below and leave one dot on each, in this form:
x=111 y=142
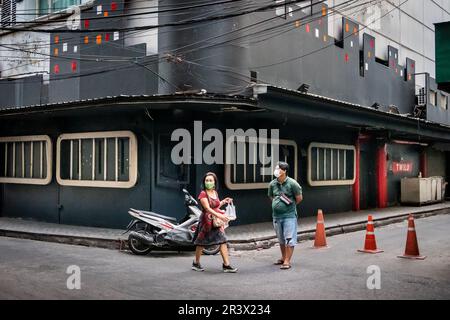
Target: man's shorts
x=286 y=230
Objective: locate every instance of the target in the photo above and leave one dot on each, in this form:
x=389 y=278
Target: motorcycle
x=150 y=230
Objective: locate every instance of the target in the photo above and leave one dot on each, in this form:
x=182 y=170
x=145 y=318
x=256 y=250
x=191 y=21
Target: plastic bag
x=230 y=211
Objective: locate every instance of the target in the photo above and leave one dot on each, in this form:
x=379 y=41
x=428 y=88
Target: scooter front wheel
x=137 y=246
x=211 y=250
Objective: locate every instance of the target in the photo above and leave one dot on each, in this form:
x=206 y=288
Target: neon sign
x=402 y=167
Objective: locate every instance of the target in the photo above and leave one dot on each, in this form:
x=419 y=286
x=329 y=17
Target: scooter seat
x=150 y=213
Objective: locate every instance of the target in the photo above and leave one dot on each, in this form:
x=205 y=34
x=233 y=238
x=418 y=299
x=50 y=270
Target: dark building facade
x=94 y=139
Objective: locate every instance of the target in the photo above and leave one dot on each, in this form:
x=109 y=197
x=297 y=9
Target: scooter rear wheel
x=137 y=247
x=211 y=250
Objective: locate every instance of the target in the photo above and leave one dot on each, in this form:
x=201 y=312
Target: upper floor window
x=49 y=6
x=331 y=164
x=285 y=10
x=16 y=11
x=97 y=159
x=281 y=10
x=433 y=97
x=444 y=101
x=26 y=160
x=8 y=17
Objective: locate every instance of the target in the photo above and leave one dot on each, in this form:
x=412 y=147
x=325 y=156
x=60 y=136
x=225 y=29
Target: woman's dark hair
x=216 y=181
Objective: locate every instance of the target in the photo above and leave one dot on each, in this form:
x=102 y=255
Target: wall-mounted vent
x=422 y=97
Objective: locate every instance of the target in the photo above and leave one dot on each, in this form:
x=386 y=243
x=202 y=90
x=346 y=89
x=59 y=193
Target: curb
x=268 y=242
x=116 y=244
x=236 y=245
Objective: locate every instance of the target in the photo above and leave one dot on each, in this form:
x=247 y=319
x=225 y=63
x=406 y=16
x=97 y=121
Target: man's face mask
x=277 y=172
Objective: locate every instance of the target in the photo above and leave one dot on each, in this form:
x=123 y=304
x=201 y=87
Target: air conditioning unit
x=418 y=191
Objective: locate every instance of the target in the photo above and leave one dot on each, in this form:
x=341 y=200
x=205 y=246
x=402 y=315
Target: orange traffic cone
x=370 y=245
x=320 y=240
x=412 y=248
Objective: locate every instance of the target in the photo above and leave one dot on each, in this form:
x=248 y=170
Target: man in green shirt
x=285 y=194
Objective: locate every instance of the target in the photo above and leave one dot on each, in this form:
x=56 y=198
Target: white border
x=259 y=185
x=331 y=182
x=49 y=154
x=133 y=163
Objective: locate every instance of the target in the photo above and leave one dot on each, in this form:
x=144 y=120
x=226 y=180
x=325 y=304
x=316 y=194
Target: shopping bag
x=230 y=211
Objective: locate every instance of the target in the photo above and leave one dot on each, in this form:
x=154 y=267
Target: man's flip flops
x=278 y=262
x=285 y=266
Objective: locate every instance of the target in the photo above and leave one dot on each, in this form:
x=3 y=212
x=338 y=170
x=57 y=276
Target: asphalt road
x=37 y=270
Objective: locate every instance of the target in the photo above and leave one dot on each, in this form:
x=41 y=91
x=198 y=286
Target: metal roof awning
x=213 y=102
x=318 y=107
x=265 y=101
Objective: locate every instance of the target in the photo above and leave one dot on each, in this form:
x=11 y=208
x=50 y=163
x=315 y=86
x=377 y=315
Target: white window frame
x=314 y=183
x=259 y=185
x=49 y=160
x=133 y=162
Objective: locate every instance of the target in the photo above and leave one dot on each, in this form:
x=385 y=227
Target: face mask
x=209 y=185
x=277 y=173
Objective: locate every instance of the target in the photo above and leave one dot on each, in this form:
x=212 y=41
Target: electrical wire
x=86 y=59
x=322 y=48
x=247 y=76
x=260 y=80
x=169 y=24
x=100 y=59
x=127 y=35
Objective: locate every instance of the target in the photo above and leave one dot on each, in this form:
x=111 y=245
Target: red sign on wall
x=402 y=167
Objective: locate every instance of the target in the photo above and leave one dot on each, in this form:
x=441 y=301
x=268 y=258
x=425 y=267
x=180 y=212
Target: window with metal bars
x=331 y=164
x=50 y=6
x=281 y=10
x=285 y=9
x=248 y=175
x=97 y=159
x=26 y=160
x=8 y=17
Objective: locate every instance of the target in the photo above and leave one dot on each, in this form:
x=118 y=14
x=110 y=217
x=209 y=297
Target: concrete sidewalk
x=261 y=235
x=246 y=237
